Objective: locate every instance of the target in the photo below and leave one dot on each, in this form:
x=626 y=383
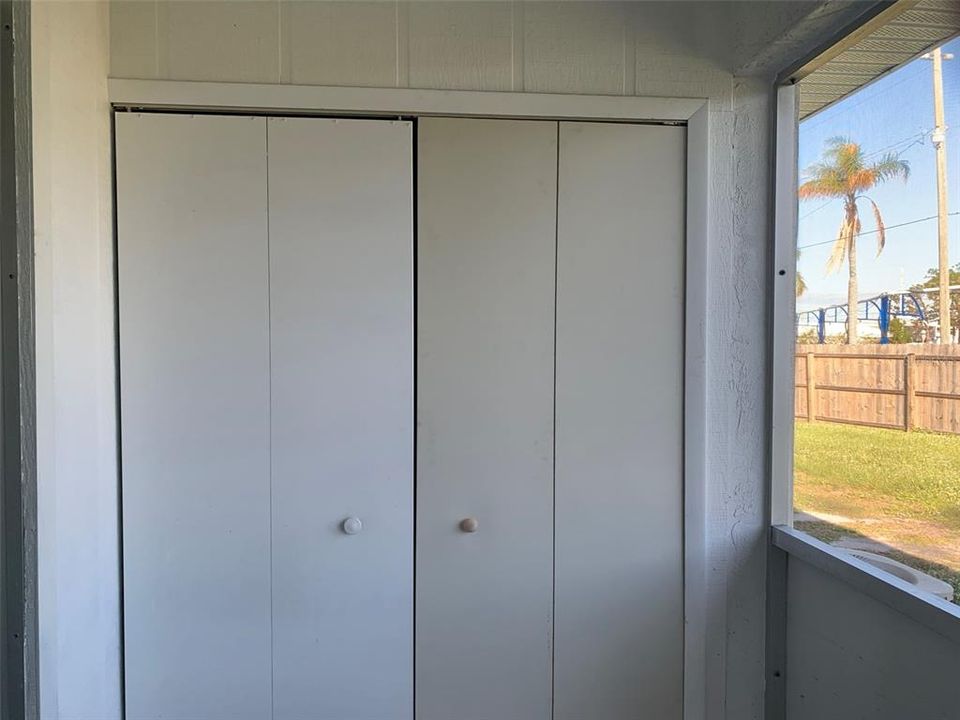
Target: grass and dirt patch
x=901 y=490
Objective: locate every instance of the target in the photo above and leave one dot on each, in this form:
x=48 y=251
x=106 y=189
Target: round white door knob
x=351 y=525
x=469 y=525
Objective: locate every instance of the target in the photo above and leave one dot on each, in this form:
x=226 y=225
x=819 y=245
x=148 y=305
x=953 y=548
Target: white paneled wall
x=321 y=49
x=460 y=46
x=569 y=47
x=681 y=49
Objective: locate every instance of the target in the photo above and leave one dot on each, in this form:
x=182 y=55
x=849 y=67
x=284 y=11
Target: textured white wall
x=682 y=49
x=76 y=424
x=849 y=656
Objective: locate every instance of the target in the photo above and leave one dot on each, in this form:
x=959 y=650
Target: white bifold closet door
x=195 y=415
x=266 y=372
x=485 y=305
x=266 y=352
x=619 y=432
x=565 y=601
x=341 y=310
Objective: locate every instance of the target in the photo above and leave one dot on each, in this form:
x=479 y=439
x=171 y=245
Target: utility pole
x=939 y=138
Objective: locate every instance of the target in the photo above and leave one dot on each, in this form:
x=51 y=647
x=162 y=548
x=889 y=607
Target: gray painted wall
x=852 y=657
x=724 y=51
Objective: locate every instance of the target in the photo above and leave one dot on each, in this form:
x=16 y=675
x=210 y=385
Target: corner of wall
x=76 y=410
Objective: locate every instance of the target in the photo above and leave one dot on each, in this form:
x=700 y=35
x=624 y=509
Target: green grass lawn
x=900 y=489
x=867 y=470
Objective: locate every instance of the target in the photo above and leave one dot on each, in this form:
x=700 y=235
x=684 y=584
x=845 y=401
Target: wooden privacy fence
x=905 y=387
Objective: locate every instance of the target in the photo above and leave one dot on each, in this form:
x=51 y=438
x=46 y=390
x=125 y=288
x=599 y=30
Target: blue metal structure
x=881 y=308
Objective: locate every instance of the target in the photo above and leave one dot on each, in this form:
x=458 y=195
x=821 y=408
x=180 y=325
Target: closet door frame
x=245 y=98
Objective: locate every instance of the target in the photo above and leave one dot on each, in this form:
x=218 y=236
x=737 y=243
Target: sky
x=894 y=114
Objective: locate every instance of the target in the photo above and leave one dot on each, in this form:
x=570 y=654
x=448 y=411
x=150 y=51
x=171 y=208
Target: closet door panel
x=341 y=309
x=194 y=354
x=486 y=265
x=619 y=443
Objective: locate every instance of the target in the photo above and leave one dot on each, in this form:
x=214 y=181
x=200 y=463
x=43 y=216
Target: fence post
x=909 y=390
x=811 y=387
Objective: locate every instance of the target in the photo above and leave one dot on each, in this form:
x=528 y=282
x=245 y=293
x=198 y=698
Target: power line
x=816 y=210
x=873 y=232
x=916 y=138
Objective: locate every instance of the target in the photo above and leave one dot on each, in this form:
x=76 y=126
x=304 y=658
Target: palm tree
x=844 y=174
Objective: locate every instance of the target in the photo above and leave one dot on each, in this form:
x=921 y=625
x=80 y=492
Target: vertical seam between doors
x=414 y=232
x=266 y=134
x=118 y=400
x=556 y=274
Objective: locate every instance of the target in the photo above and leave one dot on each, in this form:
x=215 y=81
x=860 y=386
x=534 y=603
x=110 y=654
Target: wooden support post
x=909 y=390
x=811 y=387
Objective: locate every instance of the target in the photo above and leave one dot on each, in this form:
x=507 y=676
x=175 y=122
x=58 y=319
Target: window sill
x=935 y=613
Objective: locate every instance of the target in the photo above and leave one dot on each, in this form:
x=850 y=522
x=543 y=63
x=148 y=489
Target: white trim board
x=940 y=616
x=695 y=419
x=693 y=112
x=784 y=303
x=315 y=99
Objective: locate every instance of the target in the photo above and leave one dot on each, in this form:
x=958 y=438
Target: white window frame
x=786 y=181
x=935 y=613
